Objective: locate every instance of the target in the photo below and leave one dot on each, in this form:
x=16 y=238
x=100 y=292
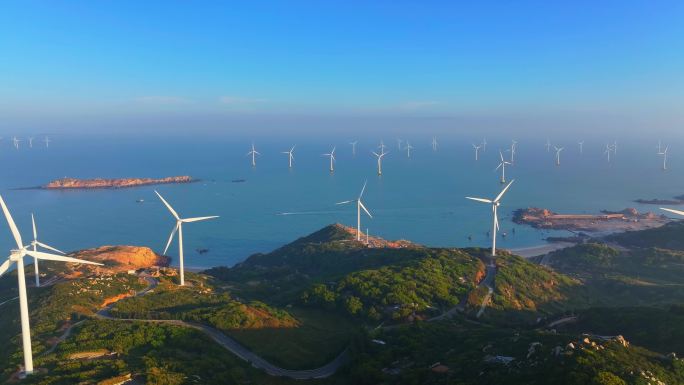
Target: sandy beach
x=534 y=251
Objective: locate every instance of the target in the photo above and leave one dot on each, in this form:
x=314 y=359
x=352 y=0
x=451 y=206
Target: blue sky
x=122 y=58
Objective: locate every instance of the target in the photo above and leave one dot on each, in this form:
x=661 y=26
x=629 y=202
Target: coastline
x=535 y=251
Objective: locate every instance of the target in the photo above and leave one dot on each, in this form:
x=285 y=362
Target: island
x=678 y=200
x=74 y=183
x=607 y=221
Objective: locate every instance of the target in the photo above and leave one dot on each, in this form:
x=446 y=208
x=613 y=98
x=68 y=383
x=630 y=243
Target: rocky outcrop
x=123 y=258
x=74 y=183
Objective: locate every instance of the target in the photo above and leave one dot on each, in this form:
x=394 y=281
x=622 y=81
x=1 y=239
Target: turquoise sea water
x=420 y=199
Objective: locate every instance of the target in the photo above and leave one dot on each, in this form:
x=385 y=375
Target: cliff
x=74 y=183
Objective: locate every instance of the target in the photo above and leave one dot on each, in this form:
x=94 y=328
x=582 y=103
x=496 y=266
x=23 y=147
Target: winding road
x=224 y=341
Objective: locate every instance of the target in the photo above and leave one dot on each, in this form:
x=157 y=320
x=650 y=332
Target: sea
x=420 y=198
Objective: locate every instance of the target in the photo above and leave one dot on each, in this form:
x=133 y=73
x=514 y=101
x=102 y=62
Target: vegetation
x=439 y=280
x=669 y=236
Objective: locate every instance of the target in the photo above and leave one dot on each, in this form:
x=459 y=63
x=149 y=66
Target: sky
x=122 y=63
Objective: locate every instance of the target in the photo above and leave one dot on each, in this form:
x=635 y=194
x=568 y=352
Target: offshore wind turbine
x=502 y=166
x=399 y=141
x=581 y=146
x=664 y=154
x=514 y=147
x=379 y=156
x=408 y=149
x=332 y=159
x=290 y=157
x=30 y=140
x=548 y=145
x=477 y=151
x=496 y=202
x=179 y=228
x=434 y=143
x=47 y=142
x=16 y=141
x=353 y=144
x=253 y=152
x=17 y=256
x=359 y=206
x=382 y=146
x=558 y=151
x=35 y=243
x=484 y=144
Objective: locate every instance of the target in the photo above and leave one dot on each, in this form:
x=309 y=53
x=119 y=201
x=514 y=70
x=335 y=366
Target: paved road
x=229 y=344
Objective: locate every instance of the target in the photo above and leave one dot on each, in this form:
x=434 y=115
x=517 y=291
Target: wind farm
x=496 y=258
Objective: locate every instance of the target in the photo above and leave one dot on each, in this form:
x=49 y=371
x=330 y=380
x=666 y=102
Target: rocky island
x=607 y=221
x=74 y=183
x=678 y=200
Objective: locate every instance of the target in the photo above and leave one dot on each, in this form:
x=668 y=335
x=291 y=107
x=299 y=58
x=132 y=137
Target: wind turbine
x=664 y=154
x=353 y=144
x=514 y=145
x=673 y=211
x=47 y=142
x=495 y=204
x=399 y=141
x=607 y=152
x=290 y=157
x=16 y=141
x=332 y=159
x=477 y=151
x=17 y=256
x=408 y=149
x=359 y=207
x=660 y=146
x=35 y=243
x=548 y=145
x=30 y=139
x=379 y=156
x=502 y=166
x=581 y=146
x=558 y=151
x=434 y=143
x=179 y=228
x=253 y=152
x=484 y=144
x=382 y=146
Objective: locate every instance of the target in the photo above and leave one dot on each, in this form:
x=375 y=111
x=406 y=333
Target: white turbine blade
x=363 y=189
x=173 y=232
x=12 y=225
x=257 y=152
x=197 y=219
x=496 y=221
x=49 y=247
x=501 y=194
x=498 y=167
x=479 y=199
x=365 y=209
x=501 y=155
x=168 y=206
x=374 y=153
x=678 y=212
x=59 y=258
x=344 y=203
x=5 y=265
x=35 y=233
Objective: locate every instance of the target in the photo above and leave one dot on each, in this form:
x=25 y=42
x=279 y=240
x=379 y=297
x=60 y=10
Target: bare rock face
x=123 y=258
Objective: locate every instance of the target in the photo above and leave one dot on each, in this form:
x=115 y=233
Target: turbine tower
x=477 y=151
x=514 y=147
x=359 y=207
x=399 y=141
x=495 y=204
x=30 y=140
x=502 y=166
x=379 y=156
x=484 y=144
x=332 y=159
x=290 y=157
x=607 y=152
x=253 y=152
x=47 y=142
x=179 y=228
x=434 y=143
x=35 y=243
x=558 y=151
x=16 y=141
x=581 y=146
x=548 y=145
x=17 y=256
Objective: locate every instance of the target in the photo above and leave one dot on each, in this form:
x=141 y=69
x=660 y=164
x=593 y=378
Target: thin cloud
x=238 y=101
x=417 y=105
